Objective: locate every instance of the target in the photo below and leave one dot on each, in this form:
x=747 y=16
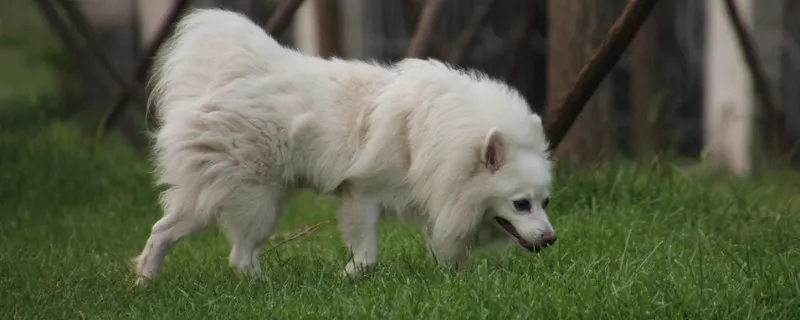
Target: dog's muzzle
x=548 y=237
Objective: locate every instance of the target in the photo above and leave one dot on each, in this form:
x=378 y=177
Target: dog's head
x=519 y=178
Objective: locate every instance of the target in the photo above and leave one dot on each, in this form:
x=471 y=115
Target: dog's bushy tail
x=209 y=48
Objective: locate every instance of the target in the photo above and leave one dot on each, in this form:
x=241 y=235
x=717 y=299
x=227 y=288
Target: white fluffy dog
x=245 y=121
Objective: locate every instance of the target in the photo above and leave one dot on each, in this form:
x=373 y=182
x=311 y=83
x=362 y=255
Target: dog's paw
x=141 y=281
x=247 y=272
x=355 y=269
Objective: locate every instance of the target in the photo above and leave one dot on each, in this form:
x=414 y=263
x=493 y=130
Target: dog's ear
x=493 y=151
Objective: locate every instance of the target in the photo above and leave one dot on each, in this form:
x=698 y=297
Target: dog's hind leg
x=247 y=221
x=359 y=217
x=176 y=224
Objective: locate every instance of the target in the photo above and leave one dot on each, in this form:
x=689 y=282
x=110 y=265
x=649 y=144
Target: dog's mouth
x=508 y=227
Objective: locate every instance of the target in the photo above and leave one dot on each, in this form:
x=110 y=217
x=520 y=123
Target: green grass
x=634 y=242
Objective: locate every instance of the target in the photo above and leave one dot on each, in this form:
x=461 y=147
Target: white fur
x=245 y=121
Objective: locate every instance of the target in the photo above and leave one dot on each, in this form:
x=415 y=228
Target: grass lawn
x=634 y=242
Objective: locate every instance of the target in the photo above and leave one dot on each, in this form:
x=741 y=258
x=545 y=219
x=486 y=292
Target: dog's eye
x=545 y=203
x=522 y=205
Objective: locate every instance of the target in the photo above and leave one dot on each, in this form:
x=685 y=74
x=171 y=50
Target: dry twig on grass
x=305 y=231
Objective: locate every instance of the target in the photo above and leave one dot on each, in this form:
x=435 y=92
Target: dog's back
x=209 y=48
x=226 y=92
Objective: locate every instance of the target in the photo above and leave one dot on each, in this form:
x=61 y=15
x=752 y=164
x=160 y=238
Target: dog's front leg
x=359 y=217
x=448 y=252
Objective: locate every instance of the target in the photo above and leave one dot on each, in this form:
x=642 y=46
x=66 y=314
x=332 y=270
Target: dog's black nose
x=548 y=238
